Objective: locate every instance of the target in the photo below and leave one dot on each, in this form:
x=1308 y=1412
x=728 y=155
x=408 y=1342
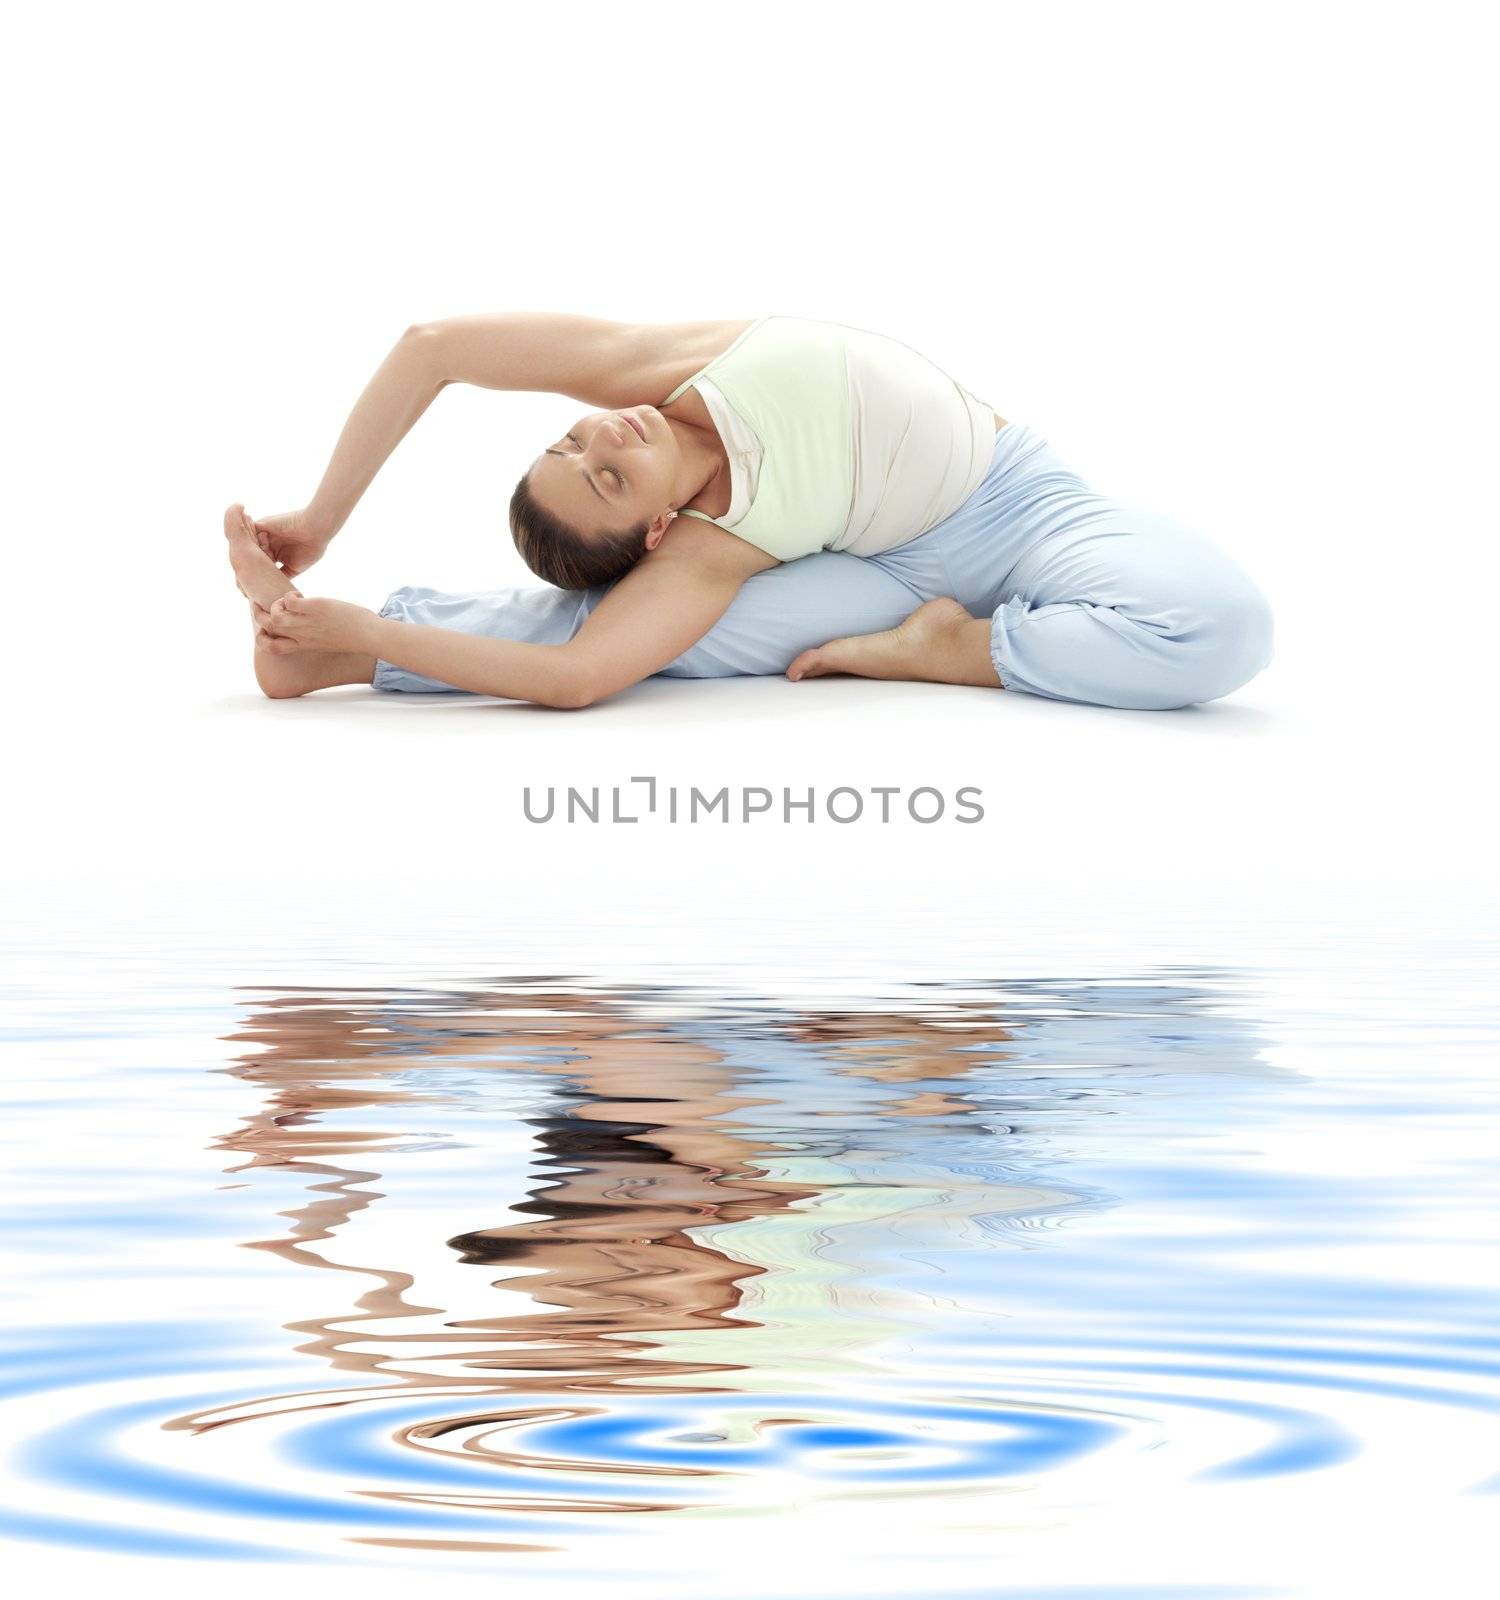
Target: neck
x=703 y=460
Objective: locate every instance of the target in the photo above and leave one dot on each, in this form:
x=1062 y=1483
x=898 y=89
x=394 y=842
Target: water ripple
x=508 y=1269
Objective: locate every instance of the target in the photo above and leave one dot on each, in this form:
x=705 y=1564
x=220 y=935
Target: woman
x=837 y=482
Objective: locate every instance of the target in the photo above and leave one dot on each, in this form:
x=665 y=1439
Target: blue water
x=1160 y=1280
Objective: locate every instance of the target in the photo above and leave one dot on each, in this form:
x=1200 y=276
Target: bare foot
x=258 y=577
x=262 y=582
x=938 y=643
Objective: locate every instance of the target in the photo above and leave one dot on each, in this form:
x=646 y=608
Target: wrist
x=320 y=524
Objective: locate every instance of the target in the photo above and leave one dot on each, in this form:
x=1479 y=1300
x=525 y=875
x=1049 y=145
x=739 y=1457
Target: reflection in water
x=624 y=1171
x=685 y=1230
x=587 y=1252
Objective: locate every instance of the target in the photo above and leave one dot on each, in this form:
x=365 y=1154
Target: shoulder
x=708 y=547
x=657 y=357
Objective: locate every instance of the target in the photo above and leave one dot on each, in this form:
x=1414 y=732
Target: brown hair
x=558 y=553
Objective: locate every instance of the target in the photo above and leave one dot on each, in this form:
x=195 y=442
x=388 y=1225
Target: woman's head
x=592 y=504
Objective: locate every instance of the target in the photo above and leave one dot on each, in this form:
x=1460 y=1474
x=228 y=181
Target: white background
x=1233 y=261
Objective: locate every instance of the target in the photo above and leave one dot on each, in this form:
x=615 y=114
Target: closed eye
x=618 y=478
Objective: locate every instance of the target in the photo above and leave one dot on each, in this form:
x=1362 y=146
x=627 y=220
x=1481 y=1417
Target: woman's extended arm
x=663 y=606
x=605 y=363
x=406 y=383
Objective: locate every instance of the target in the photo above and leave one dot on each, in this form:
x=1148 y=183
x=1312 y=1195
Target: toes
x=237 y=524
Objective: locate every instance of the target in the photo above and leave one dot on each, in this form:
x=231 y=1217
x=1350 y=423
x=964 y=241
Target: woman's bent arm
x=662 y=607
x=403 y=387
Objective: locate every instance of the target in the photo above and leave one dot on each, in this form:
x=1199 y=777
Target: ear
x=656 y=534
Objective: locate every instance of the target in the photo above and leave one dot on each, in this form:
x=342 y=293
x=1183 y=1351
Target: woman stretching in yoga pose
x=837 y=482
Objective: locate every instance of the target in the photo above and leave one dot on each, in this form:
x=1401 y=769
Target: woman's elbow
x=574 y=689
x=581 y=696
x=577 y=679
x=429 y=350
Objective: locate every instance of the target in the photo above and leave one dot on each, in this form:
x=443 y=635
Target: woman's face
x=606 y=476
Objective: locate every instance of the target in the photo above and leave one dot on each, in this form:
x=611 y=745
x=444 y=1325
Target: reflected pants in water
x=1091 y=599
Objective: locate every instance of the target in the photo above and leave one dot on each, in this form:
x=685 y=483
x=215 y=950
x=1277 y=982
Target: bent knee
x=1230 y=641
x=1199 y=637
x=1221 y=641
x=1241 y=641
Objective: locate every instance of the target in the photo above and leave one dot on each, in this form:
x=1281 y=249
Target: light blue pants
x=1091 y=599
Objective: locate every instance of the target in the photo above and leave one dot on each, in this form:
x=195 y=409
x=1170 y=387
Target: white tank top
x=744 y=449
x=918 y=443
x=922 y=443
